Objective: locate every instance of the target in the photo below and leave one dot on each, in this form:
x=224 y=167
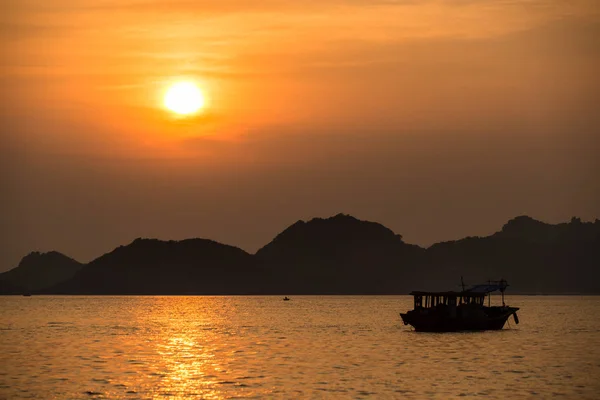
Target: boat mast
x=503 y=285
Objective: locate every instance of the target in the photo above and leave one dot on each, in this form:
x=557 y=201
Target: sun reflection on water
x=189 y=368
x=187 y=362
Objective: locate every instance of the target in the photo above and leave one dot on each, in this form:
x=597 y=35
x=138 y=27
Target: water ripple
x=257 y=347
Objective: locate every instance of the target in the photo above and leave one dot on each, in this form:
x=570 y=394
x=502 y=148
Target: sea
x=237 y=347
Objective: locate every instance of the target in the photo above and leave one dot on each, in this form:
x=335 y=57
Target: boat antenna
x=462 y=283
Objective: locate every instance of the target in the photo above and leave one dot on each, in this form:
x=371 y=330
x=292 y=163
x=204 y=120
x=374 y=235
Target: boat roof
x=466 y=293
x=474 y=291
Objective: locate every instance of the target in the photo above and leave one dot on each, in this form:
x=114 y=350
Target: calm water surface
x=310 y=347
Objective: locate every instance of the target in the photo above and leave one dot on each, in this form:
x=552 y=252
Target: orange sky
x=437 y=118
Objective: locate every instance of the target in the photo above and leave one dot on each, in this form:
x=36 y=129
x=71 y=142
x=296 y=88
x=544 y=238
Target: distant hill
x=8 y=288
x=150 y=266
x=340 y=254
x=533 y=256
x=336 y=255
x=41 y=270
x=530 y=230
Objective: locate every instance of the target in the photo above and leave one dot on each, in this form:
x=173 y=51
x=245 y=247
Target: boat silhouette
x=459 y=311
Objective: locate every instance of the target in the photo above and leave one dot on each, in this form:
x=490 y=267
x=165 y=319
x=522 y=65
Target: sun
x=184 y=98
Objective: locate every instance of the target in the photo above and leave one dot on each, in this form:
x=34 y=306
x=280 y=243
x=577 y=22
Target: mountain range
x=336 y=255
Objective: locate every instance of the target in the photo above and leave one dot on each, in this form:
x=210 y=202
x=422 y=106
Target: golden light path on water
x=310 y=347
x=186 y=362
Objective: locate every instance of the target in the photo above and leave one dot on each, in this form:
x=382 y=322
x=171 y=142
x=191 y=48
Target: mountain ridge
x=336 y=255
x=38 y=270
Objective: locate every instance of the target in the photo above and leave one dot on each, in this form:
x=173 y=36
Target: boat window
x=418 y=301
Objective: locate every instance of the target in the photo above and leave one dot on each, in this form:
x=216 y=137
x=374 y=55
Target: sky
x=438 y=119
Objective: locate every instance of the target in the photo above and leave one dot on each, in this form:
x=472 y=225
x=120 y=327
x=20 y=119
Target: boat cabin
x=475 y=295
x=451 y=299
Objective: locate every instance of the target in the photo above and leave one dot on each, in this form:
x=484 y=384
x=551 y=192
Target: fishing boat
x=459 y=311
x=286 y=299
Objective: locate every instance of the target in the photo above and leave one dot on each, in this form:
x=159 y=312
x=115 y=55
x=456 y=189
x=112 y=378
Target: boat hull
x=482 y=319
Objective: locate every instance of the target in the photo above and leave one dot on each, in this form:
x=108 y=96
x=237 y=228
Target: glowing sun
x=184 y=98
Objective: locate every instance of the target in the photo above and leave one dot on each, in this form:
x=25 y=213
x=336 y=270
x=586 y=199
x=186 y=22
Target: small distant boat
x=286 y=299
x=459 y=311
x=27 y=294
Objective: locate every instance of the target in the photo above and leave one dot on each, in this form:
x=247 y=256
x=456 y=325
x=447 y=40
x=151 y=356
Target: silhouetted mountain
x=337 y=255
x=41 y=270
x=9 y=288
x=528 y=229
x=340 y=254
x=533 y=256
x=150 y=266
